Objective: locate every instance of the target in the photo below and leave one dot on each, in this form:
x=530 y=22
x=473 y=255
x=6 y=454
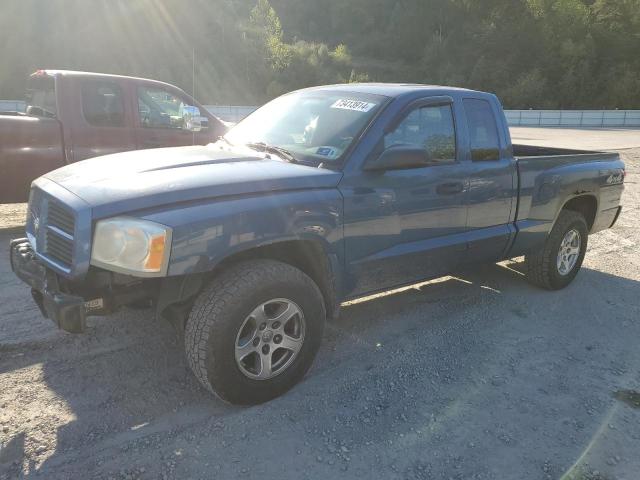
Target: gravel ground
x=477 y=376
x=579 y=138
x=12 y=215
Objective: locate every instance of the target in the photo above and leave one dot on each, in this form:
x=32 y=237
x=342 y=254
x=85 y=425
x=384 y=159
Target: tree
x=532 y=53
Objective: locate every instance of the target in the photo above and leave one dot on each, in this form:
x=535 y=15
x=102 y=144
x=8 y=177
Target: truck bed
x=29 y=147
x=536 y=151
x=547 y=176
x=541 y=161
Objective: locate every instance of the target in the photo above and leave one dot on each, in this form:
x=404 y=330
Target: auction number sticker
x=356 y=105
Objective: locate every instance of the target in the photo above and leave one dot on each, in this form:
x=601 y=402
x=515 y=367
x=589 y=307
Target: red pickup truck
x=72 y=116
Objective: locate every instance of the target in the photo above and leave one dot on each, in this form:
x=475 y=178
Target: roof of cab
x=384 y=89
x=391 y=89
x=74 y=73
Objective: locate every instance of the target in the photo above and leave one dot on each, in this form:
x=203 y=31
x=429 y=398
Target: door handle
x=450 y=188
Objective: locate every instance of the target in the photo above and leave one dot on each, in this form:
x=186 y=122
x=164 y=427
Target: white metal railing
x=573 y=118
x=12 y=106
x=230 y=113
x=515 y=118
x=524 y=118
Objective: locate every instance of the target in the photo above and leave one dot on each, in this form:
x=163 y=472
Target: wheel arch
x=585 y=204
x=178 y=293
x=310 y=256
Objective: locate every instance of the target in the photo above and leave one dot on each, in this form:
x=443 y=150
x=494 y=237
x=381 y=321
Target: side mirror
x=399 y=157
x=191 y=119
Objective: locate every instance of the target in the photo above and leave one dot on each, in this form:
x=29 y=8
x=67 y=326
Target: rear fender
x=543 y=195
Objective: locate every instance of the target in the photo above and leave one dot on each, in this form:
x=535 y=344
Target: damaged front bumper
x=68 y=311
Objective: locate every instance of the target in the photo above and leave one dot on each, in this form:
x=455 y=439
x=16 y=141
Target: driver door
x=409 y=224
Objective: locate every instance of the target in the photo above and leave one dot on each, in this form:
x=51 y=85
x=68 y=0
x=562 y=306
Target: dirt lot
x=12 y=215
x=579 y=138
x=478 y=376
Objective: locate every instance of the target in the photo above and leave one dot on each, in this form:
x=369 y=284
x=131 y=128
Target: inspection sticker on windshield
x=356 y=105
x=327 y=152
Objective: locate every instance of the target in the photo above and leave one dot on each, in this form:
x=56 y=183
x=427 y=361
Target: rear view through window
x=41 y=96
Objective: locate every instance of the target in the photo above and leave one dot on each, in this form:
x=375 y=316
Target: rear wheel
x=557 y=263
x=254 y=331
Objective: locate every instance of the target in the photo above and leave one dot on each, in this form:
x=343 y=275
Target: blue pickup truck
x=325 y=194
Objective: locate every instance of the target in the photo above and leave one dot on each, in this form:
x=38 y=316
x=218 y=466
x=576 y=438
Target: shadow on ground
x=454 y=377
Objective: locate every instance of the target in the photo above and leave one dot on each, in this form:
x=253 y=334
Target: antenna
x=193 y=74
x=193 y=87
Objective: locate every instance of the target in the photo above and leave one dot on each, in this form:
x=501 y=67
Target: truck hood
x=141 y=179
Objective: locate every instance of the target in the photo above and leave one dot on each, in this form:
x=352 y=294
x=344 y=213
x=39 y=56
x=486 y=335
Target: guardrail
x=230 y=113
x=12 y=106
x=515 y=118
x=573 y=118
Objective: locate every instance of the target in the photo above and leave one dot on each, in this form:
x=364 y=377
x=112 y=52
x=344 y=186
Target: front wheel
x=254 y=331
x=557 y=263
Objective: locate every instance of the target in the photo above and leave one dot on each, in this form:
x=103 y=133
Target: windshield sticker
x=355 y=105
x=327 y=152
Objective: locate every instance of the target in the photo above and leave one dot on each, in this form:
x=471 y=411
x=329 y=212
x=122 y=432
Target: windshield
x=41 y=96
x=315 y=127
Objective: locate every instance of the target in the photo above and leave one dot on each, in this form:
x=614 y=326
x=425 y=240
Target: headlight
x=129 y=245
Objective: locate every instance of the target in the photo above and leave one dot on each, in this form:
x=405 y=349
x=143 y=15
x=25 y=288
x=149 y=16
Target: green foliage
x=532 y=53
x=265 y=18
x=268 y=31
x=282 y=66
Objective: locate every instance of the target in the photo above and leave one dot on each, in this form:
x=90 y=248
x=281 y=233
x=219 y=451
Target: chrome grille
x=59 y=231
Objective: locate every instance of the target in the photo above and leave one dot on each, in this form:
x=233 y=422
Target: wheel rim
x=270 y=339
x=569 y=252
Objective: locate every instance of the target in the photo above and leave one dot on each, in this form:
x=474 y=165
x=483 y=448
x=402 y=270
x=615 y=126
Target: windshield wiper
x=281 y=152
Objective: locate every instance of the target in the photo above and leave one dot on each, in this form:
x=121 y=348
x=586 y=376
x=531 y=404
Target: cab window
x=41 y=96
x=483 y=132
x=159 y=108
x=428 y=127
x=103 y=104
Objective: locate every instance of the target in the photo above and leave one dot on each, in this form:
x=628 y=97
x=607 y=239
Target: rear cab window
x=103 y=104
x=41 y=96
x=484 y=141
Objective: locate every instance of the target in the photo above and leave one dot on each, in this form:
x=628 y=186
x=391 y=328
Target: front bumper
x=68 y=312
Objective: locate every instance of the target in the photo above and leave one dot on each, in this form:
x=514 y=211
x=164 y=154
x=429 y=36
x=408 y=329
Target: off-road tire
x=218 y=313
x=541 y=267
